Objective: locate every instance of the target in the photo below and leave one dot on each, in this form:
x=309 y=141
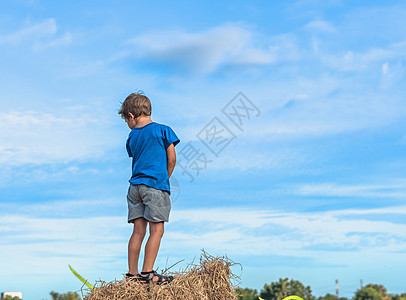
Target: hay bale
x=209 y=280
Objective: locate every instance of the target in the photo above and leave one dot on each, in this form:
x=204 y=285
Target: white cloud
x=397 y=190
x=45 y=29
x=385 y=68
x=62 y=209
x=204 y=51
x=61 y=135
x=64 y=40
x=320 y=26
x=391 y=74
x=239 y=155
x=323 y=115
x=46 y=245
x=41 y=35
x=362 y=61
x=235 y=231
x=49 y=242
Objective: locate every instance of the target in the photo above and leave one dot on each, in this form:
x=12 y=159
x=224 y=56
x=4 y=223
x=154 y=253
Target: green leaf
x=80 y=277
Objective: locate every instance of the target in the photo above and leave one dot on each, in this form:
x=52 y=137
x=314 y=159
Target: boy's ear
x=131 y=115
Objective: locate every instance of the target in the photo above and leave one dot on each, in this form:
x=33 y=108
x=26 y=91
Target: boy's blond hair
x=136 y=104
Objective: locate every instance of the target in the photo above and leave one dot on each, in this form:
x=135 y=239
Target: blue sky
x=312 y=187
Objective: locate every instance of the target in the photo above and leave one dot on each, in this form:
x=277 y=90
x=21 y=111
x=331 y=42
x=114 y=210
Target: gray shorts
x=152 y=204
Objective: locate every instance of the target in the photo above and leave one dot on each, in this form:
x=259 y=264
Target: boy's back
x=147 y=146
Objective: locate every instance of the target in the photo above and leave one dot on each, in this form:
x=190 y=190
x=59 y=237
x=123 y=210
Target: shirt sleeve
x=170 y=137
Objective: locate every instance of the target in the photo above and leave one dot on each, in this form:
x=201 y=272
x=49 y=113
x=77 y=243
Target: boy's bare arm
x=171 y=158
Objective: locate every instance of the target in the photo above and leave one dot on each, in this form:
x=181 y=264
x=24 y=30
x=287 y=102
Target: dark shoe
x=162 y=279
x=132 y=277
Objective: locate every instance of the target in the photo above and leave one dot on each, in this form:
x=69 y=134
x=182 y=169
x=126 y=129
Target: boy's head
x=134 y=106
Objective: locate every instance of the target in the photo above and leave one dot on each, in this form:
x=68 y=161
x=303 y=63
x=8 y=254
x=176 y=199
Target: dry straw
x=211 y=279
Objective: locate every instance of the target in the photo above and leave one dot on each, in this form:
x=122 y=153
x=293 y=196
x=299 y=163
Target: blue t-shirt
x=147 y=146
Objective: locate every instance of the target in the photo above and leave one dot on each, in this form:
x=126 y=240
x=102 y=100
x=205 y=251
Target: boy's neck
x=143 y=120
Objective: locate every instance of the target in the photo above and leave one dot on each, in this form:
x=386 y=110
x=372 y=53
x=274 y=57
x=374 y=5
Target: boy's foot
x=153 y=276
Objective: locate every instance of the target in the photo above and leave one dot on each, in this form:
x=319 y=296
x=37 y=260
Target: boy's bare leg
x=134 y=245
x=156 y=231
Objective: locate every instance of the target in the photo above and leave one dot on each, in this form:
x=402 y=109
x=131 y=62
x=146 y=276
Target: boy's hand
x=170 y=158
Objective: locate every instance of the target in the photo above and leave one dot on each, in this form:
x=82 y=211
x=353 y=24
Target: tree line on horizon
x=283 y=287
x=280 y=289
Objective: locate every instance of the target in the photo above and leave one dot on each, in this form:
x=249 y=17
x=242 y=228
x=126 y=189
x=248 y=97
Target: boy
x=152 y=148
